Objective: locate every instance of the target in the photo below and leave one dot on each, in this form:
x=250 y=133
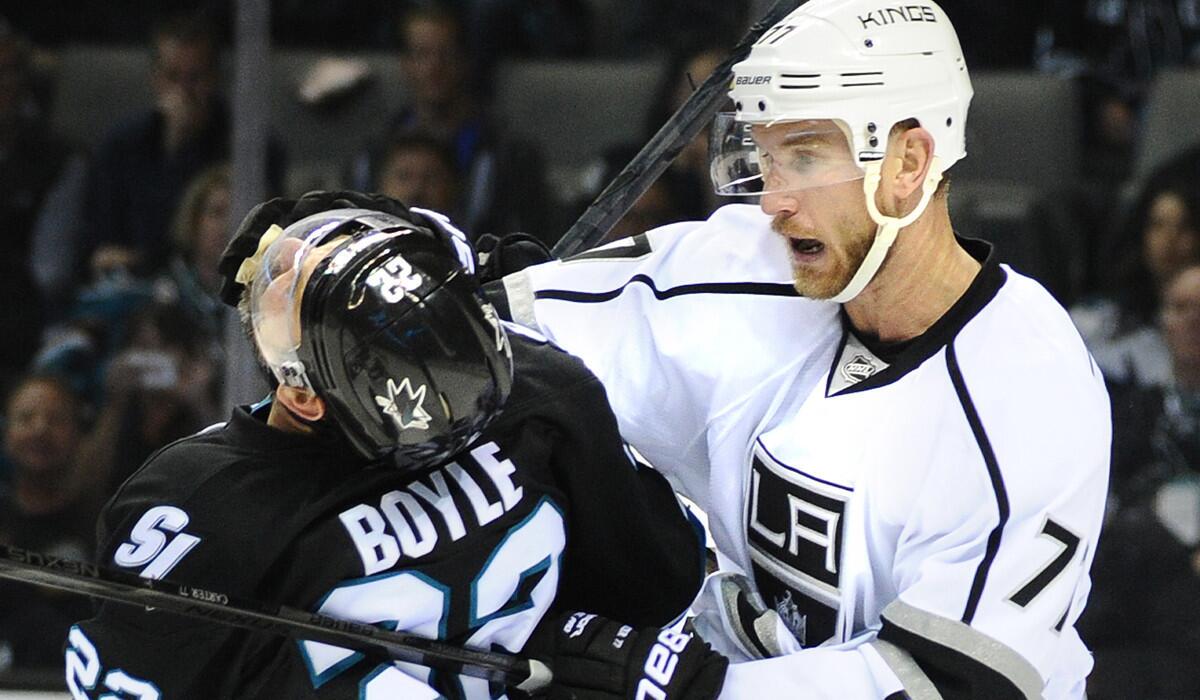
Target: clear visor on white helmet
x=285 y=267
x=749 y=159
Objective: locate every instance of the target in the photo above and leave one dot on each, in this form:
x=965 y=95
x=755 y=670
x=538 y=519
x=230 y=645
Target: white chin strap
x=889 y=226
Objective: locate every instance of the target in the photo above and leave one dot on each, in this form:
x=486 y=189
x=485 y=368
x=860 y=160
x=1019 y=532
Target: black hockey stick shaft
x=658 y=153
x=121 y=587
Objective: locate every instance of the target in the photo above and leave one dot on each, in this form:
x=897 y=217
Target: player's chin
x=821 y=287
x=822 y=277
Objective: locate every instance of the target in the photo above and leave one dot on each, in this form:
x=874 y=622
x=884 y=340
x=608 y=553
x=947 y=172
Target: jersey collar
x=860 y=365
x=248 y=426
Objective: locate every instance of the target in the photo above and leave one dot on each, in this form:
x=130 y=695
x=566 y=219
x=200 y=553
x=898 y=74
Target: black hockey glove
x=245 y=243
x=285 y=212
x=500 y=256
x=598 y=659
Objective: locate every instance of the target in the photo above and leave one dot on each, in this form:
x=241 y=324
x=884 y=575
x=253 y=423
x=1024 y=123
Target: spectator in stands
x=161 y=386
x=200 y=231
x=1144 y=615
x=503 y=177
x=1165 y=237
x=32 y=162
x=421 y=171
x=105 y=313
x=43 y=509
x=1157 y=434
x=143 y=165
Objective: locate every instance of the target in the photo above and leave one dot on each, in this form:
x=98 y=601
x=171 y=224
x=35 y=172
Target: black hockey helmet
x=378 y=315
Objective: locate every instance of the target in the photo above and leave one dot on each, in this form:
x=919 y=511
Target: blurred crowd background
x=116 y=199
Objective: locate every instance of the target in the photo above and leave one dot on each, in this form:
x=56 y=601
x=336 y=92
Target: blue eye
x=802 y=160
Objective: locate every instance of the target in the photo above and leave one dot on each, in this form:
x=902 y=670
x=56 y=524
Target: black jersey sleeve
x=198 y=516
x=129 y=651
x=633 y=553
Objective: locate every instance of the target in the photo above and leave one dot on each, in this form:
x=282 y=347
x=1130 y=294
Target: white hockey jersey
x=923 y=522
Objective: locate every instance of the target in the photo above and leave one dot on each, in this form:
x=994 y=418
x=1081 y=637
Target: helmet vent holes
x=874 y=141
x=737 y=106
x=863 y=79
x=869 y=43
x=762 y=106
x=949 y=121
x=799 y=85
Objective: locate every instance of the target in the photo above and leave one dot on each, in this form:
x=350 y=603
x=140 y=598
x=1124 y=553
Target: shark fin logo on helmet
x=404 y=406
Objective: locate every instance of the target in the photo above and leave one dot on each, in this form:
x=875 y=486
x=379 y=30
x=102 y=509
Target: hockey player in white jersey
x=902 y=445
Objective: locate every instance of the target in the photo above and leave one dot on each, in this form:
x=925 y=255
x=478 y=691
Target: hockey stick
x=683 y=126
x=87 y=579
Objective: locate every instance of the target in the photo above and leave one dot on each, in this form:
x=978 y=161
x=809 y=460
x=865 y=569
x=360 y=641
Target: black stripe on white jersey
x=751 y=288
x=997 y=479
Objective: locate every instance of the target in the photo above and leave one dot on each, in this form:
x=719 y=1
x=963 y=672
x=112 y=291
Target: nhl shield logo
x=859 y=368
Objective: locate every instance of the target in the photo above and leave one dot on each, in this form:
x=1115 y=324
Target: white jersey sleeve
x=681 y=324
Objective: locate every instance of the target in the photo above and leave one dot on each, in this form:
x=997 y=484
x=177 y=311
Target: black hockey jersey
x=543 y=513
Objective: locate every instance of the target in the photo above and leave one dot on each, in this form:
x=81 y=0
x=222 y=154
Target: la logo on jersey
x=794 y=527
x=404 y=406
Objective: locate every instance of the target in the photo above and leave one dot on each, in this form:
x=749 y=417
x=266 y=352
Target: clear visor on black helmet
x=285 y=267
x=755 y=159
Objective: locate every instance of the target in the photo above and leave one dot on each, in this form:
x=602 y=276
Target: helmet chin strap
x=888 y=226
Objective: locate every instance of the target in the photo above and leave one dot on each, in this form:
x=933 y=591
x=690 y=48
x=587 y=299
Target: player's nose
x=780 y=204
x=791 y=206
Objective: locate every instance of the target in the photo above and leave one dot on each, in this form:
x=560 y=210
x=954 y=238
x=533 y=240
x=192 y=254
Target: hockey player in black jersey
x=420 y=466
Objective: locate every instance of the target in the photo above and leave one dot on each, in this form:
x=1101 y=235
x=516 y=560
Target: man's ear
x=908 y=160
x=301 y=402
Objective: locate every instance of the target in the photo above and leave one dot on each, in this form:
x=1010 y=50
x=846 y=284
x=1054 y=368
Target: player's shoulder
x=236 y=469
x=1035 y=388
x=545 y=375
x=180 y=468
x=1026 y=331
x=734 y=244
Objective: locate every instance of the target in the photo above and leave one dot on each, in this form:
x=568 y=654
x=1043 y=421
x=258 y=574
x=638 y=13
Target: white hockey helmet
x=863 y=66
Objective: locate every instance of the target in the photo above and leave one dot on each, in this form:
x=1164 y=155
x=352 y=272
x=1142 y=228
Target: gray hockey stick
x=687 y=121
x=86 y=579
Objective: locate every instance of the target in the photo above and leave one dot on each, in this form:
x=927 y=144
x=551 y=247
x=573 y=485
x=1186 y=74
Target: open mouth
x=806 y=246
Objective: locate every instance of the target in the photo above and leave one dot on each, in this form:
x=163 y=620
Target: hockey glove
x=244 y=244
x=500 y=256
x=598 y=659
